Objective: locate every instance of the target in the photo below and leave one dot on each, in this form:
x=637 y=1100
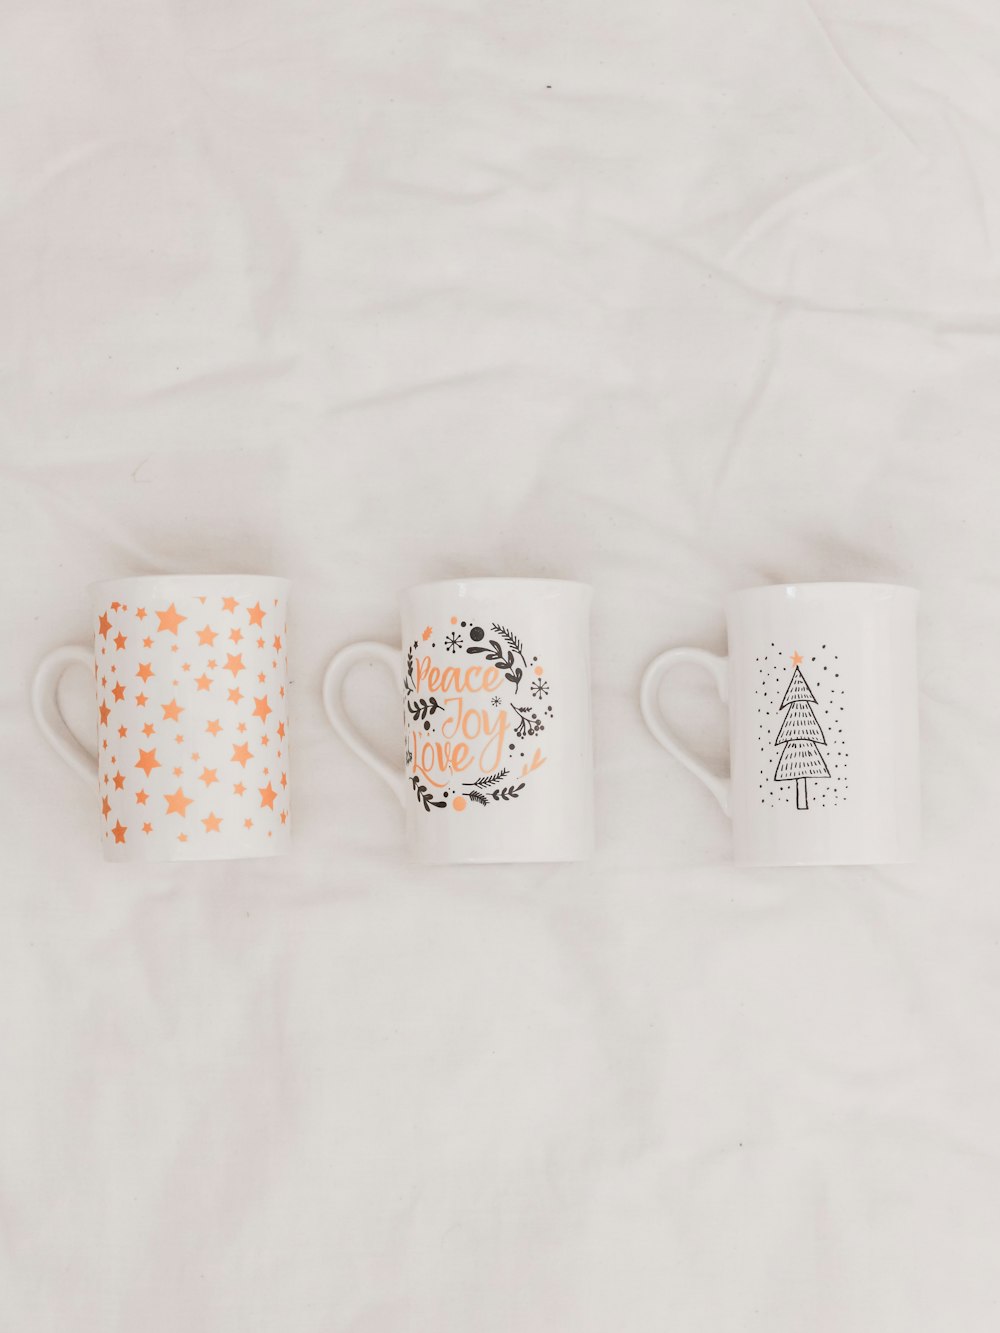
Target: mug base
x=168 y=856
x=873 y=861
x=577 y=858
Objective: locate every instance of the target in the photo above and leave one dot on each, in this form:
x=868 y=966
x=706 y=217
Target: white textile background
x=670 y=297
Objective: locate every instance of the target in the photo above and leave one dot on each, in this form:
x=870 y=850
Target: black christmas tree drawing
x=800 y=735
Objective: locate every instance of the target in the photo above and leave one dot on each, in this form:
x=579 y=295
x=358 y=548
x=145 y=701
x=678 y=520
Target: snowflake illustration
x=453 y=642
x=496 y=701
x=539 y=689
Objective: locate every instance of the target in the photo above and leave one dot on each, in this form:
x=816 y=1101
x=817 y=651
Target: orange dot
x=459 y=803
x=538 y=670
x=454 y=620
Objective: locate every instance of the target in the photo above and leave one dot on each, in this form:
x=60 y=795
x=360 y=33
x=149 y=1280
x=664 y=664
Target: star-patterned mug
x=493 y=685
x=821 y=680
x=190 y=758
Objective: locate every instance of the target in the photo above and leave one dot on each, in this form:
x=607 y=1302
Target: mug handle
x=45 y=706
x=718 y=668
x=342 y=663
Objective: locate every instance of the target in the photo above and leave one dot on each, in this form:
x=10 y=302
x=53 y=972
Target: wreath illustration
x=524 y=694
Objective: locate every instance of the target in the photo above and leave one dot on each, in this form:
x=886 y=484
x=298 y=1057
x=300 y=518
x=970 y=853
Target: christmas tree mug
x=190 y=753
x=821 y=681
x=493 y=684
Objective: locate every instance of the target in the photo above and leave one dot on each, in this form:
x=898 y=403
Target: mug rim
x=790 y=591
x=495 y=579
x=200 y=579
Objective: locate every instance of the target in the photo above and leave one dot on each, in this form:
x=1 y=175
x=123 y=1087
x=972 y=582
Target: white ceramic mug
x=821 y=680
x=190 y=754
x=493 y=682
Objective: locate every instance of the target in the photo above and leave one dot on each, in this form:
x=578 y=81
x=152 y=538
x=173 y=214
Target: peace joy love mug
x=190 y=755
x=821 y=680
x=493 y=683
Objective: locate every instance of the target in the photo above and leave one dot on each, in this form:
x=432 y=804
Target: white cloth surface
x=669 y=297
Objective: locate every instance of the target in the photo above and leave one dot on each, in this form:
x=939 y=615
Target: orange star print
x=177 y=803
x=154 y=682
x=170 y=620
x=147 y=761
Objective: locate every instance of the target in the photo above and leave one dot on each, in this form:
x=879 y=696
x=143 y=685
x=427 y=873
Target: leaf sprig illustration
x=508 y=793
x=425 y=796
x=423 y=708
x=512 y=641
x=478 y=797
x=408 y=681
x=505 y=661
x=529 y=724
x=489 y=780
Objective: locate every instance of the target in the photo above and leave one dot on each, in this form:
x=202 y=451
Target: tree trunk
x=801 y=794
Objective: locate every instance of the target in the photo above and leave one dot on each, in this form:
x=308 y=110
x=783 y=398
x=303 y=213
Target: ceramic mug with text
x=493 y=686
